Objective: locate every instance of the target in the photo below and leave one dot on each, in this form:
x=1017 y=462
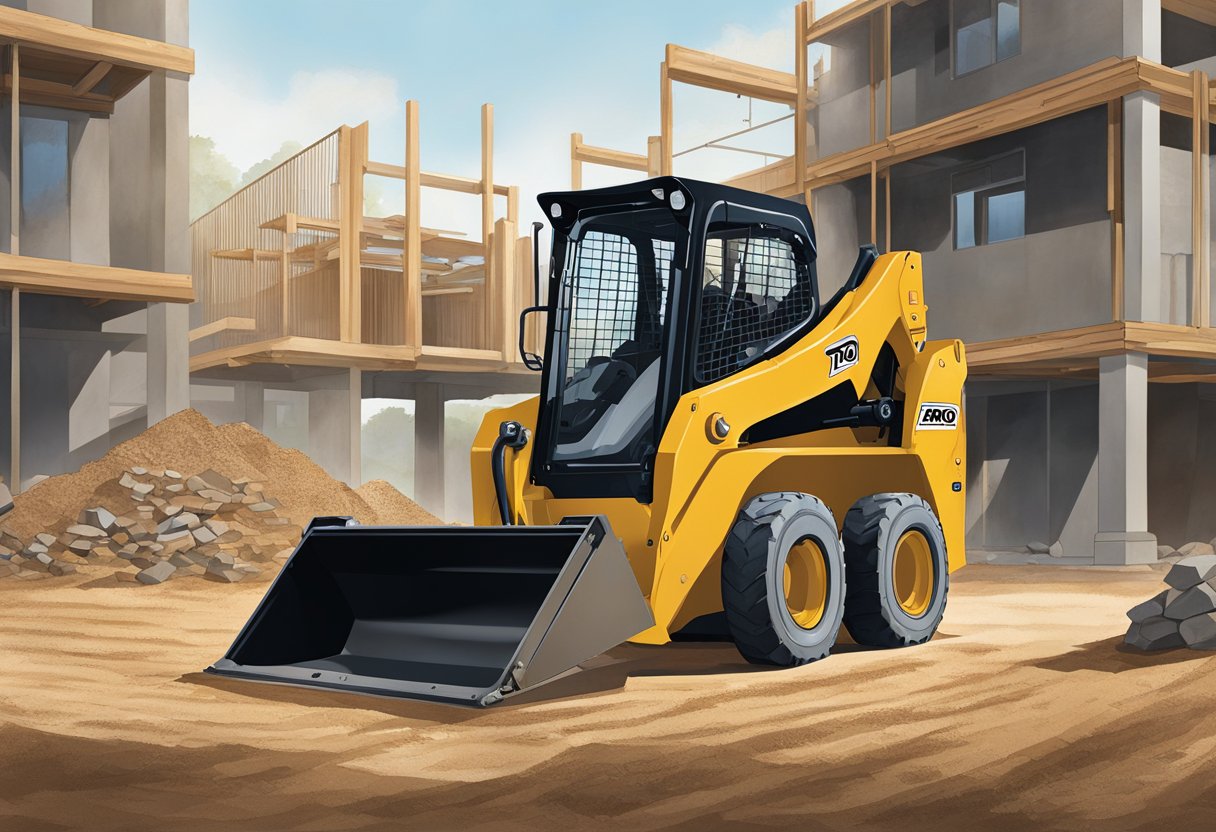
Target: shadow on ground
x=1111 y=655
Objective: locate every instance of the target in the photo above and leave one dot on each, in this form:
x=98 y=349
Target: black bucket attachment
x=450 y=613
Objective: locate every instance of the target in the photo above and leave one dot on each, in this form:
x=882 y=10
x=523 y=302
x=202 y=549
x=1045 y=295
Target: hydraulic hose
x=510 y=435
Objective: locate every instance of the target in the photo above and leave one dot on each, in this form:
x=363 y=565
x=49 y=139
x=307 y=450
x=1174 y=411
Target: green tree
x=286 y=150
x=212 y=176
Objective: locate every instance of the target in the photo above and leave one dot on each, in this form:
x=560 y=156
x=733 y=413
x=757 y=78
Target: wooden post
x=666 y=123
x=1201 y=296
x=886 y=69
x=654 y=156
x=873 y=82
x=504 y=284
x=576 y=165
x=289 y=228
x=874 y=202
x=800 y=114
x=352 y=156
x=887 y=203
x=487 y=212
x=513 y=204
x=15 y=392
x=14 y=158
x=523 y=289
x=1114 y=201
x=411 y=249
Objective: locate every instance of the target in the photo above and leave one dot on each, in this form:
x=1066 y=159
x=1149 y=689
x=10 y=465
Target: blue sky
x=275 y=70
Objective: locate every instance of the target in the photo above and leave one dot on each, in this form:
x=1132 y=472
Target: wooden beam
x=14 y=390
x=607 y=156
x=802 y=82
x=705 y=69
x=1202 y=10
x=352 y=157
x=576 y=165
x=84 y=280
x=666 y=120
x=487 y=176
x=411 y=251
x=513 y=204
x=229 y=324
x=55 y=35
x=1200 y=236
x=842 y=17
x=442 y=181
x=504 y=287
x=654 y=156
x=14 y=150
x=92 y=78
x=886 y=69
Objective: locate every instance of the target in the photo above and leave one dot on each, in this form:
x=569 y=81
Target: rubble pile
x=159 y=525
x=1182 y=615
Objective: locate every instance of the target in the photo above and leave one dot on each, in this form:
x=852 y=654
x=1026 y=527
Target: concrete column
x=334 y=425
x=1142 y=207
x=252 y=395
x=428 y=447
x=1123 y=462
x=168 y=360
x=1142 y=29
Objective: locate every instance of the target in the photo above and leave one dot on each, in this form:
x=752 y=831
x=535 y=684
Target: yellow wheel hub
x=913 y=573
x=806 y=583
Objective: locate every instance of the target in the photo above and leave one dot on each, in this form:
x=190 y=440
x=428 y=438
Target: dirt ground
x=1024 y=713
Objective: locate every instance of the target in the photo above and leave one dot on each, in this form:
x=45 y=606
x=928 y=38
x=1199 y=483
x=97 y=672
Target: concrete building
x=94 y=251
x=307 y=304
x=1053 y=162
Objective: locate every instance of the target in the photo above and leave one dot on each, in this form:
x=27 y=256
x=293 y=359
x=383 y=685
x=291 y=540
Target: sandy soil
x=1024 y=713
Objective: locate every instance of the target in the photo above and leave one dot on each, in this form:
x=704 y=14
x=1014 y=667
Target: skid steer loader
x=715 y=447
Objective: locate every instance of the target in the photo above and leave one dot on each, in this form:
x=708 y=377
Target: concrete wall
x=1186 y=42
x=842 y=224
x=1056 y=39
x=1032 y=454
x=1056 y=277
x=1182 y=462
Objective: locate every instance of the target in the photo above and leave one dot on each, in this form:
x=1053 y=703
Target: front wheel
x=783 y=580
x=895 y=553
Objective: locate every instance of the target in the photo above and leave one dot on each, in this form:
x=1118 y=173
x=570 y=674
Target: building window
x=990 y=201
x=984 y=32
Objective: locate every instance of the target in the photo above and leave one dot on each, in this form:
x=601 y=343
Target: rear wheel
x=898 y=578
x=783 y=585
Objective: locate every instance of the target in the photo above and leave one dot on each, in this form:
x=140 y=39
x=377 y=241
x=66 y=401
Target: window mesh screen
x=753 y=293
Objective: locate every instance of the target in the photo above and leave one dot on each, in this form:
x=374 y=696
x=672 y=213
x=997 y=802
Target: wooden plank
x=654 y=156
x=1202 y=10
x=63 y=277
x=886 y=68
x=705 y=69
x=487 y=201
x=352 y=155
x=92 y=78
x=802 y=81
x=411 y=251
x=1200 y=284
x=447 y=290
x=442 y=181
x=229 y=324
x=666 y=120
x=513 y=204
x=576 y=165
x=608 y=157
x=777 y=178
x=504 y=266
x=14 y=150
x=874 y=201
x=14 y=390
x=842 y=17
x=62 y=36
x=451 y=249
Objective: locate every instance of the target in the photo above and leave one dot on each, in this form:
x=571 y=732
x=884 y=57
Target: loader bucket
x=447 y=613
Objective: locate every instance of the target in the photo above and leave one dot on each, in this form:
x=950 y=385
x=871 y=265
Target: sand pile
x=186 y=498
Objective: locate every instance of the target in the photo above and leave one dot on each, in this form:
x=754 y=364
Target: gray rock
x=204 y=535
x=172 y=475
x=1191 y=571
x=1153 y=607
x=157 y=573
x=218 y=570
x=99 y=517
x=143 y=488
x=81 y=545
x=1191 y=602
x=1196 y=548
x=1199 y=632
x=224 y=559
x=139 y=471
x=1164 y=552
x=127 y=481
x=46 y=538
x=36 y=548
x=59 y=568
x=1037 y=548
x=1154 y=633
x=260 y=507
x=84 y=530
x=1056 y=550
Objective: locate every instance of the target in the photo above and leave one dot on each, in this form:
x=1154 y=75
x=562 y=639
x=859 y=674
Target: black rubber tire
x=753 y=570
x=872 y=528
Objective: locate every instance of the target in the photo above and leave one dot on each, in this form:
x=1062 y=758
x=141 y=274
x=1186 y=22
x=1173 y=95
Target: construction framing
x=482 y=301
x=1104 y=83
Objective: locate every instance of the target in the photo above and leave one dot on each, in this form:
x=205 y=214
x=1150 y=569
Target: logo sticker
x=937 y=416
x=843 y=355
